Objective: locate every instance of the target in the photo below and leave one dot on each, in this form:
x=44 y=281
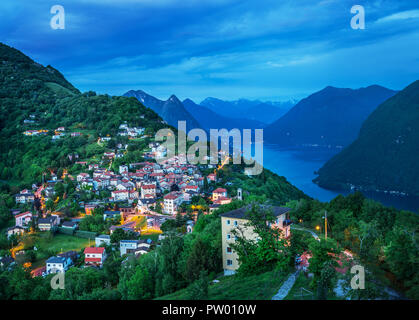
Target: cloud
x=404 y=15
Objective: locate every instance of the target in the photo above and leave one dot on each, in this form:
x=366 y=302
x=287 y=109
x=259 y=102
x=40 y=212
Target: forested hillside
x=385 y=155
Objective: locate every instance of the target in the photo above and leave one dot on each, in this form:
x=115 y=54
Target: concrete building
x=237 y=219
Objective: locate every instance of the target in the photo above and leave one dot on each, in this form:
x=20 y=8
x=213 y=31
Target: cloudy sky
x=265 y=49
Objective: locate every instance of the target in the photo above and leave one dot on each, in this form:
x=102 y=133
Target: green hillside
x=385 y=155
x=29 y=91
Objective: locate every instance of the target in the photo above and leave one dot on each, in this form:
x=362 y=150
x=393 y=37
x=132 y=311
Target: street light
x=317 y=228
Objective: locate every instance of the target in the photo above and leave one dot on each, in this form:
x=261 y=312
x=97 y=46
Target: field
x=256 y=287
x=48 y=246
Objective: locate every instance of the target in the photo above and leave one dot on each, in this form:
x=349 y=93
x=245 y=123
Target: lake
x=299 y=164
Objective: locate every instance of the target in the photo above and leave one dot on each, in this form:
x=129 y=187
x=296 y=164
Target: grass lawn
x=258 y=287
x=62 y=242
x=296 y=292
x=48 y=246
x=153 y=236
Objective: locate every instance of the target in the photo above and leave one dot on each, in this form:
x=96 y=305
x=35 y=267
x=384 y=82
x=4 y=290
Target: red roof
x=92 y=260
x=94 y=250
x=219 y=190
x=171 y=196
x=23 y=214
x=148 y=186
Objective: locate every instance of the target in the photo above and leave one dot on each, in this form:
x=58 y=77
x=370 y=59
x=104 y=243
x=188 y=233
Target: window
x=228 y=237
x=235 y=222
x=229 y=250
x=229 y=262
x=228 y=222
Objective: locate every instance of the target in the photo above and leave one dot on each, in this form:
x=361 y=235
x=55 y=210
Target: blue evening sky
x=256 y=49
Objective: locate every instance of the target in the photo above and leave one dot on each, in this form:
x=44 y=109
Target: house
x=222 y=201
x=76 y=134
x=123 y=170
x=58 y=264
x=148 y=189
x=93 y=166
x=16 y=230
x=103 y=239
x=128 y=246
x=73 y=255
x=126 y=211
x=212 y=177
x=133 y=247
x=237 y=219
x=219 y=192
x=23 y=219
x=70 y=225
x=48 y=223
x=145 y=204
x=89 y=207
x=110 y=214
x=172 y=201
x=82 y=176
x=25 y=196
x=39 y=272
x=94 y=256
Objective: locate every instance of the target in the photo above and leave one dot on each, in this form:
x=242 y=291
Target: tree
x=198 y=290
x=322 y=263
x=119 y=234
x=267 y=250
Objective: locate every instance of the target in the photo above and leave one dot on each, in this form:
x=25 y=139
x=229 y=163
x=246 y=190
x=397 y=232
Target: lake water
x=299 y=165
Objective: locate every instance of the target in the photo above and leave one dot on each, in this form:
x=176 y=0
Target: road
x=315 y=236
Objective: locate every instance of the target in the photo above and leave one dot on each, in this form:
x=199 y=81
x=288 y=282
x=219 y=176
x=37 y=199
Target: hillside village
x=145 y=191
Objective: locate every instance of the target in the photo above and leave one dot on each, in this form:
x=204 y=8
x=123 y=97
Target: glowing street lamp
x=317 y=228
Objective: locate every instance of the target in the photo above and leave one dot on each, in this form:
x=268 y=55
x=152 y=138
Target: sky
x=229 y=49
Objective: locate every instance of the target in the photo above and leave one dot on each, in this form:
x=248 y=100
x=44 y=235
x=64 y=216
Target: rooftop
x=241 y=213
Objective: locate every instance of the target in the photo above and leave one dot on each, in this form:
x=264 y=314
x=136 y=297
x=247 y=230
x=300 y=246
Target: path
x=315 y=236
x=286 y=286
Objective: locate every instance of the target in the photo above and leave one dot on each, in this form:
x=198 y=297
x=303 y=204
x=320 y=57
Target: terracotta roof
x=219 y=190
x=94 y=250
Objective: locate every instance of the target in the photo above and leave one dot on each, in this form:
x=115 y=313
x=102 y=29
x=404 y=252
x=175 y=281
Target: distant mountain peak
x=331 y=116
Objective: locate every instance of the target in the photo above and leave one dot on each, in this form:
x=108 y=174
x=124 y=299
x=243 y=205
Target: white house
x=94 y=256
x=57 y=264
x=23 y=219
x=172 y=201
x=103 y=239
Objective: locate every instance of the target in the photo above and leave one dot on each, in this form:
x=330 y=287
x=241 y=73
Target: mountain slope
x=171 y=110
x=385 y=155
x=211 y=120
x=30 y=91
x=332 y=116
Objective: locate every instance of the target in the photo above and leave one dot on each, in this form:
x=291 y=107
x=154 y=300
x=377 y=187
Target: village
x=141 y=197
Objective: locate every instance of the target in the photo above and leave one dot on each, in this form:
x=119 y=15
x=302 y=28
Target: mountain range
x=385 y=155
x=330 y=117
x=198 y=116
x=265 y=112
x=171 y=110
